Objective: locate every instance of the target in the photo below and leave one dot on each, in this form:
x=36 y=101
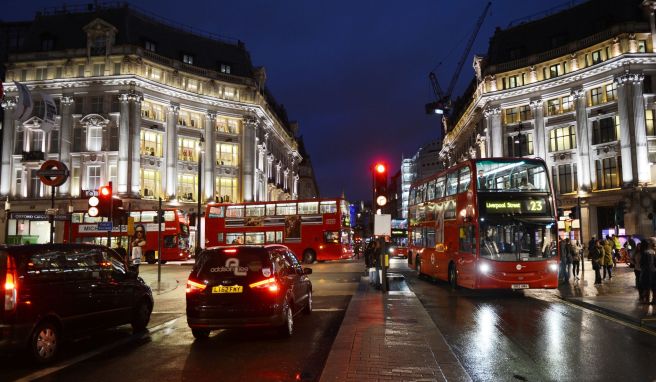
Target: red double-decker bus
x=175 y=233
x=318 y=229
x=486 y=224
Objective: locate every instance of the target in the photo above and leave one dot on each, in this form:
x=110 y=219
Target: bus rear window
x=329 y=207
x=215 y=264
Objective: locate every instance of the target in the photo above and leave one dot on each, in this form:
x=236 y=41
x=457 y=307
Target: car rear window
x=244 y=262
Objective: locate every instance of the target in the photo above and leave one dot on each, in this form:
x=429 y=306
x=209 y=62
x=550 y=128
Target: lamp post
x=7 y=211
x=580 y=213
x=198 y=197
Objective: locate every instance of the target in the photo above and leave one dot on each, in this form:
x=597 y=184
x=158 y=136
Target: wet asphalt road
x=170 y=353
x=534 y=337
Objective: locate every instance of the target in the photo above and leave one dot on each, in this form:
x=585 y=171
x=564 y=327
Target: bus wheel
x=453 y=276
x=150 y=257
x=309 y=256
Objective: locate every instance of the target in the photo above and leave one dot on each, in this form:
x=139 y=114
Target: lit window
x=93 y=177
x=611 y=92
x=563 y=138
x=642 y=46
x=98 y=70
x=188 y=59
x=554 y=71
x=151 y=143
x=608 y=173
x=649 y=122
x=225 y=69
x=596 y=96
x=94 y=138
x=227 y=154
x=188 y=149
x=41 y=74
x=150 y=183
x=596 y=57
x=151 y=46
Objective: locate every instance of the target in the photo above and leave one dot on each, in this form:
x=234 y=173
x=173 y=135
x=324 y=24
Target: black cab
x=247 y=286
x=53 y=291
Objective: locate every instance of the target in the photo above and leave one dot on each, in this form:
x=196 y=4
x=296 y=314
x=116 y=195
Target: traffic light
x=105 y=200
x=380 y=185
x=93 y=206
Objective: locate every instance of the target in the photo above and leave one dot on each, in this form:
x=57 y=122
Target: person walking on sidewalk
x=577 y=252
x=638 y=250
x=607 y=260
x=596 y=254
x=565 y=259
x=648 y=273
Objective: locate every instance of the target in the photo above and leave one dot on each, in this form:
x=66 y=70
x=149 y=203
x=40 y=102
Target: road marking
x=611 y=318
x=91 y=354
x=327 y=309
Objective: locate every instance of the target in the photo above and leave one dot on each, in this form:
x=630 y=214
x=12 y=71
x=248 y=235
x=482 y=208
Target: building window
x=58 y=72
x=554 y=70
x=225 y=69
x=188 y=59
x=99 y=46
x=188 y=149
x=608 y=173
x=97 y=104
x=511 y=115
x=93 y=177
x=553 y=106
x=151 y=46
x=611 y=92
x=36 y=186
x=41 y=74
x=153 y=111
x=563 y=138
x=54 y=141
x=187 y=187
x=525 y=113
x=596 y=96
x=94 y=138
x=649 y=122
x=520 y=145
x=18 y=183
x=80 y=70
x=605 y=130
x=36 y=141
x=113 y=171
x=153 y=73
x=230 y=126
x=150 y=183
x=98 y=70
x=151 y=143
x=227 y=154
x=47 y=43
x=566 y=179
x=596 y=57
x=117 y=68
x=642 y=46
x=226 y=188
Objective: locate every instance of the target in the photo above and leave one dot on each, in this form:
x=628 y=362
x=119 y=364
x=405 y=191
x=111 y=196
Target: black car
x=53 y=291
x=247 y=286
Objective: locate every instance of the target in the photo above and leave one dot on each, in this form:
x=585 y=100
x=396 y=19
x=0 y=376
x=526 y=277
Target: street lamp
x=7 y=211
x=198 y=196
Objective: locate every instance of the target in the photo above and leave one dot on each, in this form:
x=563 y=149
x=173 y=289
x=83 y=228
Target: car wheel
x=140 y=316
x=200 y=334
x=453 y=276
x=44 y=343
x=308 y=306
x=309 y=256
x=287 y=329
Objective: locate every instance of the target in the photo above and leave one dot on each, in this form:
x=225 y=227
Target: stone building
x=144 y=104
x=577 y=89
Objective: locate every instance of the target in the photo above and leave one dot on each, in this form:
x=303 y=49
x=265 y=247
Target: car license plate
x=228 y=289
x=519 y=286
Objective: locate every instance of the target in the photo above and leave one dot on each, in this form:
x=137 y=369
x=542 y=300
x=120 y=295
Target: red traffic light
x=105 y=191
x=380 y=168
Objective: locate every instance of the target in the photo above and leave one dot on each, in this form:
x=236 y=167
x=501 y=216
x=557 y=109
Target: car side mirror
x=307 y=271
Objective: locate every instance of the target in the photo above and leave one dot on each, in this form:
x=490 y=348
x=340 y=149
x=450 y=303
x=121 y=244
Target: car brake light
x=269 y=284
x=194 y=286
x=230 y=251
x=10 y=287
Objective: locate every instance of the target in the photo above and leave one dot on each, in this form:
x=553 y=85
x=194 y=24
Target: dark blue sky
x=353 y=73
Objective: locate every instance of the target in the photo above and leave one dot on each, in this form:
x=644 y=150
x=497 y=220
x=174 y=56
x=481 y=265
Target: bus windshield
x=510 y=240
x=517 y=176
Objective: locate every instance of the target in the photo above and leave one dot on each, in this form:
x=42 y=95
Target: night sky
x=354 y=73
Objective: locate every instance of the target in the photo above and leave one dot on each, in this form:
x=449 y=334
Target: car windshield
x=518 y=176
x=516 y=240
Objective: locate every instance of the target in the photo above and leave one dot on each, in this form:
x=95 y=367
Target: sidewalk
x=390 y=337
x=616 y=297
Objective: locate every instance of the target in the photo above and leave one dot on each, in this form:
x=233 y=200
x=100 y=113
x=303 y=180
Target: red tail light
x=195 y=286
x=11 y=286
x=269 y=284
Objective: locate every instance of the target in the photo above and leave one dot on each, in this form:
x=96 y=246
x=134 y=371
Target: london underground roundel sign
x=53 y=173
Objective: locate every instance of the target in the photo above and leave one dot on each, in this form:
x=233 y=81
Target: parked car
x=54 y=291
x=247 y=286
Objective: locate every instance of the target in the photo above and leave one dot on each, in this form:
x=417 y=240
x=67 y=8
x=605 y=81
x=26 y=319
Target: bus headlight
x=484 y=268
x=553 y=267
x=391 y=250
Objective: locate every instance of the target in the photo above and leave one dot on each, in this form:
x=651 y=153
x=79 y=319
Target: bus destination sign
x=534 y=206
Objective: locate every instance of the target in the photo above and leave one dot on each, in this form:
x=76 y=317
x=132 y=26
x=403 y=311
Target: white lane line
x=327 y=309
x=85 y=356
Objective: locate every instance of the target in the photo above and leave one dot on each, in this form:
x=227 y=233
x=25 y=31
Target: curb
x=648 y=323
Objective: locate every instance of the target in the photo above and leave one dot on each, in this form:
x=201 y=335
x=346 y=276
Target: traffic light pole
x=111 y=215
x=578 y=205
x=51 y=217
x=159 y=242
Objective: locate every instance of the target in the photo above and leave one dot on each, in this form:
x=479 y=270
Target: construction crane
x=442 y=103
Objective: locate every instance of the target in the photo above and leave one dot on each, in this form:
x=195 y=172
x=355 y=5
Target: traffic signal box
x=380 y=185
x=103 y=204
x=105 y=200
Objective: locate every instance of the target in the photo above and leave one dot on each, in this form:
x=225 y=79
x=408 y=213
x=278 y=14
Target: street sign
x=105 y=226
x=53 y=173
x=90 y=193
x=52 y=211
x=382 y=225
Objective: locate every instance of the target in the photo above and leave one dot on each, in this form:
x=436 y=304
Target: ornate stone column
x=639 y=129
x=582 y=140
x=8 y=129
x=248 y=159
x=172 y=150
x=210 y=155
x=123 y=143
x=493 y=125
x=626 y=126
x=135 y=143
x=65 y=139
x=539 y=139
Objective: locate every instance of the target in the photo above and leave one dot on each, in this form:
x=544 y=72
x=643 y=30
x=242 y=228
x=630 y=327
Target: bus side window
x=467 y=239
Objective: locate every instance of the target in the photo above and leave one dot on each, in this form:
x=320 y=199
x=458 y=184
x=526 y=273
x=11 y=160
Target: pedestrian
x=607 y=260
x=137 y=250
x=375 y=255
x=565 y=259
x=357 y=251
x=591 y=244
x=576 y=259
x=596 y=251
x=648 y=273
x=636 y=254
